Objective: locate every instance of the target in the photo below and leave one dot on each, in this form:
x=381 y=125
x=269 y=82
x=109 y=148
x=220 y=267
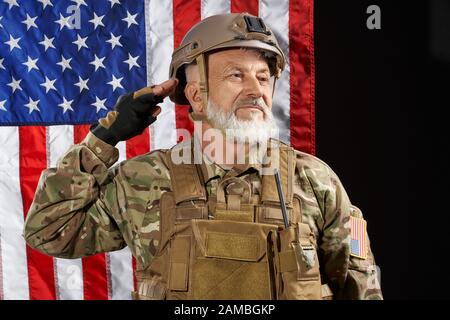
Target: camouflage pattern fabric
x=85 y=206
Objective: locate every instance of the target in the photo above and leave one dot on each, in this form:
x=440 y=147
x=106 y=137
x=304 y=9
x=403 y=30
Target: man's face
x=236 y=78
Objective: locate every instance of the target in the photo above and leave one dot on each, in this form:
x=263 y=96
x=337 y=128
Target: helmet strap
x=201 y=63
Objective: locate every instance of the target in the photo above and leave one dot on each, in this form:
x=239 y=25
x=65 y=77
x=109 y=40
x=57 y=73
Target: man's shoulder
x=153 y=163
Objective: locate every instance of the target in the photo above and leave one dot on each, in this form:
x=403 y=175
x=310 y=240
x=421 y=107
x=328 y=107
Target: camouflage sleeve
x=348 y=276
x=70 y=216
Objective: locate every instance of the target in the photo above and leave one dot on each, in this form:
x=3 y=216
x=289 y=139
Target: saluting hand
x=133 y=113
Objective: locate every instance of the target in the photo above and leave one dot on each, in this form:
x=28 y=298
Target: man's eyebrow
x=233 y=65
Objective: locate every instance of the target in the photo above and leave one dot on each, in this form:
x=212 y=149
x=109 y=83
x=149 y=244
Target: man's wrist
x=107 y=153
x=104 y=134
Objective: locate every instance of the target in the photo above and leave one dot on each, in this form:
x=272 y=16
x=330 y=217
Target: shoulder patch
x=358 y=242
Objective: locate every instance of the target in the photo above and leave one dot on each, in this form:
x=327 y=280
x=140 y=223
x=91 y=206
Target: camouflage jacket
x=85 y=206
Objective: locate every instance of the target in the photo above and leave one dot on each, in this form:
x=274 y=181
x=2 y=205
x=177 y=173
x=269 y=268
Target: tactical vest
x=231 y=246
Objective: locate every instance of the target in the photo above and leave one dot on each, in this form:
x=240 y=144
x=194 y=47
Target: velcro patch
x=358 y=244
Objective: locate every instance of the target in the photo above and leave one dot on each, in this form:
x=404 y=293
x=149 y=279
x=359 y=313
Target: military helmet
x=233 y=30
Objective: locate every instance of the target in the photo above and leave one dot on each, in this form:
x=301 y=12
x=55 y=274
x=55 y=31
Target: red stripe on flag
x=301 y=55
x=95 y=279
x=250 y=6
x=186 y=13
x=135 y=147
x=33 y=160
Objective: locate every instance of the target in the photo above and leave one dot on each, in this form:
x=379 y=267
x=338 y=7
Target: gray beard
x=243 y=131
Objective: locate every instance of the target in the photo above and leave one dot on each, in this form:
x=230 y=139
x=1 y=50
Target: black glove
x=129 y=118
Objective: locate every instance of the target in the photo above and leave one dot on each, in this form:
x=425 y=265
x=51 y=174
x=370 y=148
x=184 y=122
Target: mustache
x=259 y=102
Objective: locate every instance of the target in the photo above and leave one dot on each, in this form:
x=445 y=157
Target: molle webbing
x=287 y=170
x=185 y=179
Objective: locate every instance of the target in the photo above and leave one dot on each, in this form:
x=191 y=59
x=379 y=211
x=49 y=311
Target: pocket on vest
x=230 y=260
x=296 y=264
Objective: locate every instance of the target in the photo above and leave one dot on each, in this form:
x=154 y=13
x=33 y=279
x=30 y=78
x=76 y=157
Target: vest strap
x=287 y=170
x=185 y=179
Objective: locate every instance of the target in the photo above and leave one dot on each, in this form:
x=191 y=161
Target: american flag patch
x=358 y=238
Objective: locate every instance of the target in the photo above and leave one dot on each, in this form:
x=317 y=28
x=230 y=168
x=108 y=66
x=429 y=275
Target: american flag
x=63 y=65
x=358 y=237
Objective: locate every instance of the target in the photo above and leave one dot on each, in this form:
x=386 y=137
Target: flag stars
x=114 y=41
x=63 y=22
x=113 y=2
x=1 y=64
x=130 y=19
x=15 y=84
x=66 y=105
x=2 y=105
x=46 y=3
x=31 y=64
x=97 y=21
x=80 y=42
x=65 y=63
x=11 y=3
x=99 y=104
x=32 y=105
x=98 y=63
x=13 y=43
x=132 y=61
x=30 y=22
x=48 y=84
x=80 y=3
x=115 y=83
x=47 y=43
x=82 y=84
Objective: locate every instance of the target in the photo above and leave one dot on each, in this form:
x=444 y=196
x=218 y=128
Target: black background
x=381 y=100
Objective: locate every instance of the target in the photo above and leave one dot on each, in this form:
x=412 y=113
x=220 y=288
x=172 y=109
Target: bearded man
x=208 y=219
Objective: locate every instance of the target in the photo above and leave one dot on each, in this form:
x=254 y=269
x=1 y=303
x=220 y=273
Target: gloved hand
x=133 y=113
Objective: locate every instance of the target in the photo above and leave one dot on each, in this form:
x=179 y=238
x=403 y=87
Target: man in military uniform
x=209 y=229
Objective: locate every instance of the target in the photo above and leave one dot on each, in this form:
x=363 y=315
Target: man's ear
x=194 y=96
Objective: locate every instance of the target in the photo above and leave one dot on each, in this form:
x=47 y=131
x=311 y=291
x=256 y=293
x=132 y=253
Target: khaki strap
x=186 y=184
x=179 y=262
x=201 y=63
x=269 y=191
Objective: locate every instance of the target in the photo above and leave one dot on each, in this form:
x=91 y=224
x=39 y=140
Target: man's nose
x=253 y=87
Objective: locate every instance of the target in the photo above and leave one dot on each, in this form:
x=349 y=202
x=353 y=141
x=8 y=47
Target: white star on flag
x=65 y=63
x=15 y=84
x=11 y=3
x=99 y=104
x=98 y=63
x=29 y=21
x=66 y=105
x=113 y=2
x=48 y=84
x=82 y=84
x=47 y=43
x=130 y=19
x=13 y=43
x=115 y=83
x=132 y=61
x=79 y=3
x=32 y=105
x=114 y=41
x=80 y=42
x=1 y=63
x=31 y=64
x=2 y=105
x=97 y=21
x=63 y=22
x=46 y=3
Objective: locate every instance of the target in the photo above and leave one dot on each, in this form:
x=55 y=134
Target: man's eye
x=236 y=75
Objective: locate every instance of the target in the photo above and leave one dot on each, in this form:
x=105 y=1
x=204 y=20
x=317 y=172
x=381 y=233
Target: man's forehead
x=239 y=57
